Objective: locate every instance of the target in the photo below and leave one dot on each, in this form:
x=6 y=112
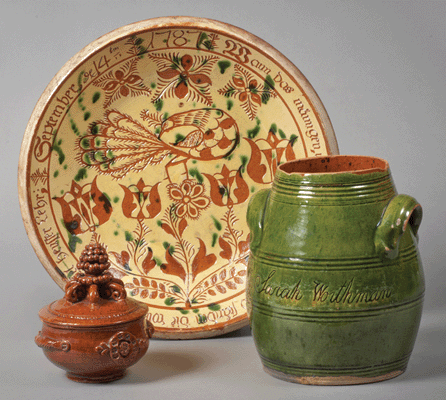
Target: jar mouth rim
x=334 y=164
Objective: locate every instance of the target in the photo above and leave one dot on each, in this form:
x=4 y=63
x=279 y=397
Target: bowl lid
x=93 y=296
x=85 y=314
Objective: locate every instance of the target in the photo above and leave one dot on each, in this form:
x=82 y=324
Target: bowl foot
x=332 y=380
x=96 y=378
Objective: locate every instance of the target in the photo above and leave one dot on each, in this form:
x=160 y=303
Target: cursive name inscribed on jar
x=321 y=293
x=346 y=294
x=284 y=292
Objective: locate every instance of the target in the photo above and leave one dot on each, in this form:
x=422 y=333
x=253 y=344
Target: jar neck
x=304 y=180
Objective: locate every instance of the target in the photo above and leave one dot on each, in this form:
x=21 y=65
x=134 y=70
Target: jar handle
x=402 y=211
x=255 y=216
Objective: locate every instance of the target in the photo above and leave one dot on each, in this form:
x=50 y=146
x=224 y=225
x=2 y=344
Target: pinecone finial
x=93 y=260
x=94 y=281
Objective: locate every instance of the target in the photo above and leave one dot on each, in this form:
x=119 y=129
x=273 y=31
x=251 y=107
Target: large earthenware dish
x=152 y=139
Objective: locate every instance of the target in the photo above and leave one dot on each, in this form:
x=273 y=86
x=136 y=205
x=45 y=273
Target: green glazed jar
x=335 y=283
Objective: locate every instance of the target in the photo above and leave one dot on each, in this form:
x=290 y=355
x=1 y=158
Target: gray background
x=379 y=68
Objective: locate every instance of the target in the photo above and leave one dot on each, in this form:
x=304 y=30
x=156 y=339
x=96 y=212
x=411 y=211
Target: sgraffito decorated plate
x=151 y=140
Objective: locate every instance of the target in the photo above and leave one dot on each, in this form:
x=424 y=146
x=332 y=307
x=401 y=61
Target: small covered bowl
x=95 y=332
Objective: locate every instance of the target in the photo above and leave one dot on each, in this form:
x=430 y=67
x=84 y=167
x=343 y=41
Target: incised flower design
x=184 y=77
x=249 y=91
x=189 y=199
x=122 y=82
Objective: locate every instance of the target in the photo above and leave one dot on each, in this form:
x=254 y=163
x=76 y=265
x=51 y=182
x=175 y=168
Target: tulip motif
x=141 y=201
x=266 y=156
x=84 y=208
x=228 y=188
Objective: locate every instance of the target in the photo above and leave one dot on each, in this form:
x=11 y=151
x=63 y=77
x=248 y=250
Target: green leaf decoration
x=214 y=307
x=224 y=65
x=175 y=289
x=169 y=301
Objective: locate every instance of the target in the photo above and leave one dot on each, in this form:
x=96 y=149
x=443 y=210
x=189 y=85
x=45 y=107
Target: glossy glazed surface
x=94 y=332
x=153 y=139
x=96 y=354
x=335 y=282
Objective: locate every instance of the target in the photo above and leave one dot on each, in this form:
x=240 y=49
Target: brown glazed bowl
x=94 y=333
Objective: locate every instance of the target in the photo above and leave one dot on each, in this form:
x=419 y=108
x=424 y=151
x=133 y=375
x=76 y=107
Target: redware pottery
x=94 y=332
x=152 y=139
x=335 y=282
